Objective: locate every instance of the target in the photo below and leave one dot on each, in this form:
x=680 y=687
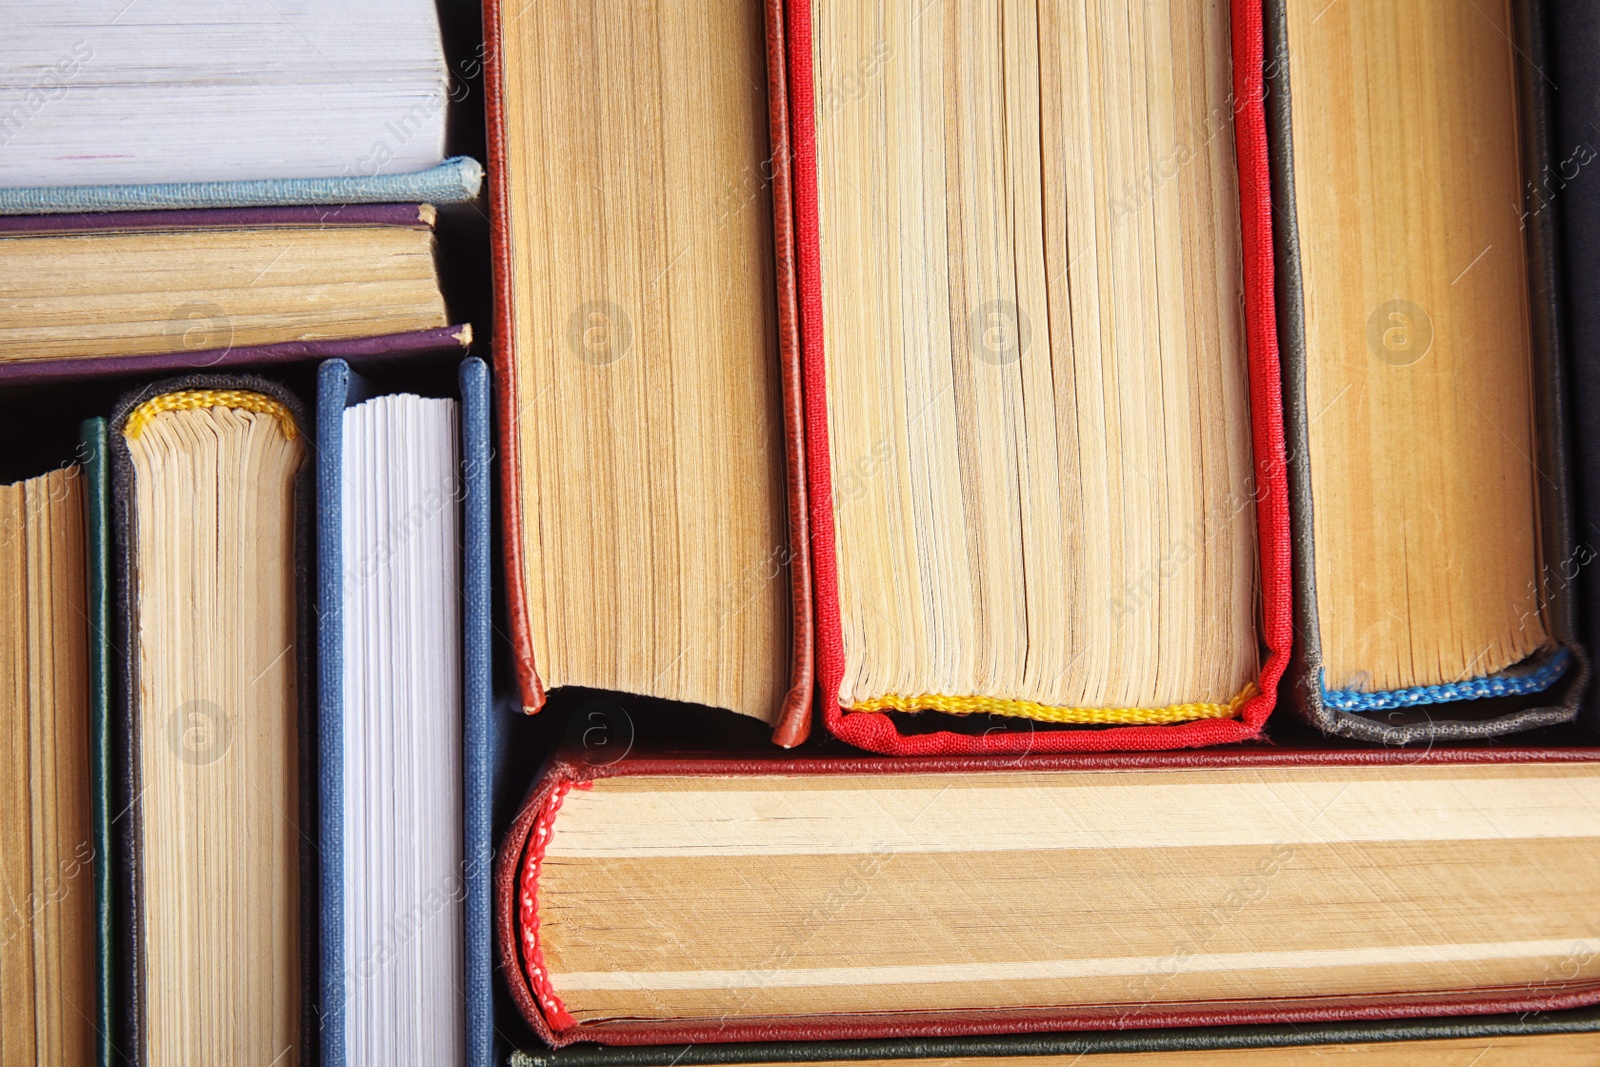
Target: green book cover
x=97 y=544
x=1070 y=1045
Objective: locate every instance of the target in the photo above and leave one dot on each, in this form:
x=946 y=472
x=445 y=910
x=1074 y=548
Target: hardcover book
x=173 y=290
x=705 y=898
x=403 y=635
x=1033 y=502
x=103 y=92
x=1045 y=454
x=651 y=443
x=1421 y=312
x=216 y=900
x=54 y=967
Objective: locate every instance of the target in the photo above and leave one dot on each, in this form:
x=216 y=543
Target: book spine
x=409 y=216
x=414 y=342
x=793 y=722
x=529 y=685
x=97 y=541
x=454 y=181
x=333 y=387
x=478 y=741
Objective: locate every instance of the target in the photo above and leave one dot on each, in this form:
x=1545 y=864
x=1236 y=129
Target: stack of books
x=233 y=642
x=1053 y=532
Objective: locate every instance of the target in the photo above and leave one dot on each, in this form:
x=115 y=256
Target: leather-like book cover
x=534 y=990
x=793 y=722
x=338 y=387
x=413 y=342
x=129 y=988
x=93 y=445
x=1565 y=187
x=1444 y=721
x=1397 y=1036
x=877 y=731
x=480 y=744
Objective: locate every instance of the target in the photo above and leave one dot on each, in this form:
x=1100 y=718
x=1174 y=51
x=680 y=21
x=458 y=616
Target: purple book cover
x=415 y=216
x=419 y=216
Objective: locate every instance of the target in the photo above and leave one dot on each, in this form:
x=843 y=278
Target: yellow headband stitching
x=1027 y=709
x=195 y=399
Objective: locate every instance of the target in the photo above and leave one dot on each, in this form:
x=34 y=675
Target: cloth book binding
x=816 y=614
x=129 y=883
x=455 y=181
x=1401 y=1037
x=1238 y=884
x=338 y=388
x=1548 y=687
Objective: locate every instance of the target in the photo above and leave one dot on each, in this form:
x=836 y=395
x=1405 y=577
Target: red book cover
x=1325 y=841
x=877 y=731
